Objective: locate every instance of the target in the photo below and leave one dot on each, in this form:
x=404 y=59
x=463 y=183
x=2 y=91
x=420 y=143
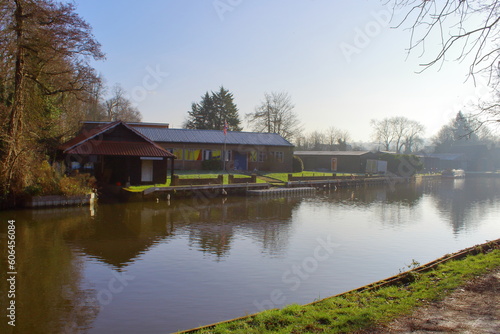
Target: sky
x=342 y=62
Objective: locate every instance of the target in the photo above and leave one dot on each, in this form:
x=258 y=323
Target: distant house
x=117 y=153
x=336 y=161
x=448 y=161
x=138 y=152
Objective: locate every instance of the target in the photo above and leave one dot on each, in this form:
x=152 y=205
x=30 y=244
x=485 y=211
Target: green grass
x=360 y=310
x=194 y=174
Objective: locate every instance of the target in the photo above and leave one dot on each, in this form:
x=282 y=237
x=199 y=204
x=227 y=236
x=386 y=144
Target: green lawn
x=192 y=174
x=283 y=177
x=361 y=310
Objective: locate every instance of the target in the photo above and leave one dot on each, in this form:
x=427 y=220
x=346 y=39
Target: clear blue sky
x=167 y=54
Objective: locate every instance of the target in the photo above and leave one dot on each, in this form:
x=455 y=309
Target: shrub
x=297 y=165
x=52 y=181
x=46 y=180
x=80 y=184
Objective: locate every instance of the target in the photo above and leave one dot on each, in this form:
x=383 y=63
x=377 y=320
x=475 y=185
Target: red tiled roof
x=85 y=143
x=99 y=147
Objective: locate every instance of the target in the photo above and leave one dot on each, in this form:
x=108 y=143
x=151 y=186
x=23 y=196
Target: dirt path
x=474 y=308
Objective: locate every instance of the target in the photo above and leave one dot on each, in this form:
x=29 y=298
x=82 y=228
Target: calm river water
x=158 y=268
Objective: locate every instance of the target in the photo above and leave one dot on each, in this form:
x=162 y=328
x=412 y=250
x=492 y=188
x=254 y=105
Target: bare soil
x=472 y=308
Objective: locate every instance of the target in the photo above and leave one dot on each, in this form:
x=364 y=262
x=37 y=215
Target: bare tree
x=337 y=139
x=413 y=136
x=467 y=31
x=464 y=28
x=398 y=132
x=45 y=48
x=119 y=107
x=275 y=115
x=383 y=133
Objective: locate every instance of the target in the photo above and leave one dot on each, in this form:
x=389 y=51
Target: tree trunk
x=15 y=125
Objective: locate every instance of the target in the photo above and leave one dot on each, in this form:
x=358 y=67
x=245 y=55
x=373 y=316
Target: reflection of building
x=336 y=161
x=119 y=234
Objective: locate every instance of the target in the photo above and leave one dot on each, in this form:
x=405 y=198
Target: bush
x=50 y=181
x=80 y=184
x=297 y=165
x=212 y=164
x=46 y=180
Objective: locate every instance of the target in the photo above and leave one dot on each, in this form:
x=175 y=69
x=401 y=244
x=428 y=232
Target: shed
x=119 y=154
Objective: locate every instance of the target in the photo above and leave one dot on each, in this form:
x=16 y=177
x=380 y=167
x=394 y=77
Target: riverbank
x=375 y=305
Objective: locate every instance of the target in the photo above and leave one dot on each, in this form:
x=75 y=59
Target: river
x=161 y=267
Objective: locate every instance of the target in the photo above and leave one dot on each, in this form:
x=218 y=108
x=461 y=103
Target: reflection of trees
x=464 y=202
x=212 y=227
x=49 y=298
x=392 y=201
x=409 y=194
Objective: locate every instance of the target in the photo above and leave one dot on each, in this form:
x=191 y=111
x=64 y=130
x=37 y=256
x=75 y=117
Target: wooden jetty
x=282 y=191
x=348 y=183
x=208 y=187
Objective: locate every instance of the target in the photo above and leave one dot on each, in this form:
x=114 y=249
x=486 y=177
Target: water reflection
x=49 y=297
x=464 y=202
x=119 y=233
x=58 y=294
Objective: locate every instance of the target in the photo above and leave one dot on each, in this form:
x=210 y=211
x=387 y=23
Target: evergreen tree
x=213 y=111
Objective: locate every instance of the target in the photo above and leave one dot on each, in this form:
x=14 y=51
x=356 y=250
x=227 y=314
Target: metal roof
x=312 y=153
x=163 y=135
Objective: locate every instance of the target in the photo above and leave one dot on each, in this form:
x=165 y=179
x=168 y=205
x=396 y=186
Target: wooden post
x=172 y=169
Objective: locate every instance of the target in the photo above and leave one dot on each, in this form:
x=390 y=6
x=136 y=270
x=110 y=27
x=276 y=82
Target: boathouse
x=116 y=153
x=214 y=149
x=336 y=161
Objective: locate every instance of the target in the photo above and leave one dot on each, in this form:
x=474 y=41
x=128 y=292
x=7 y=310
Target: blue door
x=240 y=161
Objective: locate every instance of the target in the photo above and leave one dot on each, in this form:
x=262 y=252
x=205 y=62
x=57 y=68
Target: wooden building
x=138 y=152
x=243 y=151
x=116 y=153
x=336 y=161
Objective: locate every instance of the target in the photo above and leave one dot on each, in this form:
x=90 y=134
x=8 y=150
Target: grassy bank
x=359 y=310
x=196 y=174
x=192 y=175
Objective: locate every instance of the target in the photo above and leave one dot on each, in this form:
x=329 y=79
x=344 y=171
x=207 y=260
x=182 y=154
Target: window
x=262 y=156
x=278 y=156
x=193 y=155
x=253 y=156
x=207 y=155
x=229 y=155
x=178 y=152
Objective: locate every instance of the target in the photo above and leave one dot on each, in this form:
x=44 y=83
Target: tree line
x=47 y=86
